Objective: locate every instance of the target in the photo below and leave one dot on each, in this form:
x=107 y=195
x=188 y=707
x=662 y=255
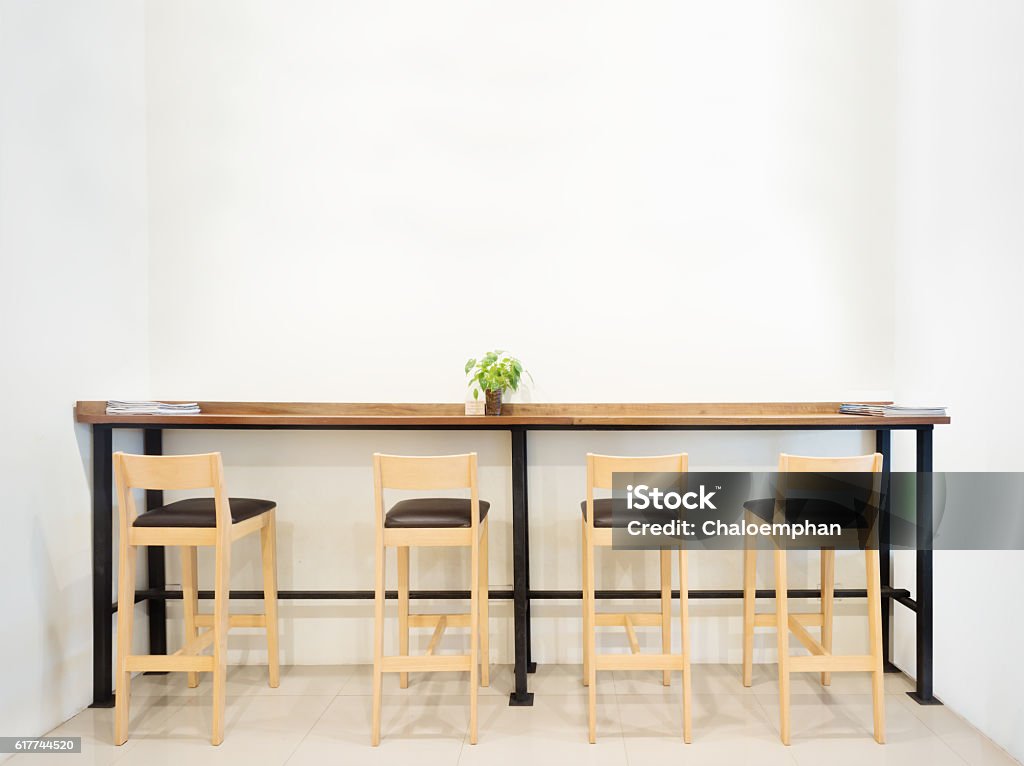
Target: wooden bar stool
x=216 y=521
x=430 y=521
x=821 y=659
x=597 y=532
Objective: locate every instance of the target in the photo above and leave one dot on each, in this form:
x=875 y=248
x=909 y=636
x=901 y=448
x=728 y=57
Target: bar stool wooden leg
x=828 y=579
x=749 y=608
x=403 y=610
x=474 y=640
x=268 y=545
x=782 y=631
x=190 y=601
x=684 y=628
x=591 y=619
x=666 y=611
x=875 y=638
x=485 y=617
x=125 y=624
x=378 y=641
x=221 y=625
x=586 y=614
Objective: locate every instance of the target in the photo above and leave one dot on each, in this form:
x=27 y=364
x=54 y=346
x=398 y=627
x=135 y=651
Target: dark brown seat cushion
x=199 y=512
x=426 y=512
x=604 y=517
x=602 y=512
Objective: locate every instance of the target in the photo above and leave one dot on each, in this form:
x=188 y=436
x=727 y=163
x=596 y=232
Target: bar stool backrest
x=160 y=472
x=862 y=496
x=600 y=470
x=426 y=474
x=601 y=467
x=858 y=463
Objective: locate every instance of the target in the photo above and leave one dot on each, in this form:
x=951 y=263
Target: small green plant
x=494 y=371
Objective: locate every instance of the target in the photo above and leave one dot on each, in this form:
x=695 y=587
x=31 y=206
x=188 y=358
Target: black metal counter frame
x=156 y=594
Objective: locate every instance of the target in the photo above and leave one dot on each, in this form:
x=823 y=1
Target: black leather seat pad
x=603 y=516
x=602 y=512
x=427 y=512
x=200 y=512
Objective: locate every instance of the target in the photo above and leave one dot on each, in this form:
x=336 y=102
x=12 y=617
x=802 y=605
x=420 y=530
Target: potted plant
x=494 y=373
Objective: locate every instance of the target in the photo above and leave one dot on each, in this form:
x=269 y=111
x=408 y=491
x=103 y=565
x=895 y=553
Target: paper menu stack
x=115 y=407
x=892 y=410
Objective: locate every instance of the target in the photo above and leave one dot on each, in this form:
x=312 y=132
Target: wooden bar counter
x=518 y=420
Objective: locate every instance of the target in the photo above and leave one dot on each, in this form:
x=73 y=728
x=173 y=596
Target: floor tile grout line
x=310 y=730
x=182 y=710
x=907 y=703
x=462 y=745
x=348 y=679
x=622 y=735
x=121 y=750
x=132 y=742
x=773 y=727
x=768 y=717
x=932 y=732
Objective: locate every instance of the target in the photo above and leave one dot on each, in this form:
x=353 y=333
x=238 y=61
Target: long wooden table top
x=781 y=414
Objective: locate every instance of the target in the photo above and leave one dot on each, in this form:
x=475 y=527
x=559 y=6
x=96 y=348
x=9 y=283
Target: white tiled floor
x=322 y=715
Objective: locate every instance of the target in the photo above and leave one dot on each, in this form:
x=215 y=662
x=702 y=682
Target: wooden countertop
x=781 y=414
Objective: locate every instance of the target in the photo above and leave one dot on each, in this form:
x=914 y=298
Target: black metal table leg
x=883 y=445
x=156 y=609
x=520 y=569
x=102 y=566
x=923 y=694
x=531 y=666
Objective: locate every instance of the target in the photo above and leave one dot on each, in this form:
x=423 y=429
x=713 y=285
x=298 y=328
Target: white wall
x=73 y=321
x=356 y=197
x=958 y=316
x=348 y=200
